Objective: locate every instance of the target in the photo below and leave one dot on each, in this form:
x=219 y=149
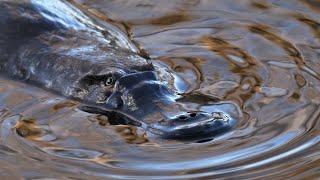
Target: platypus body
x=56 y=46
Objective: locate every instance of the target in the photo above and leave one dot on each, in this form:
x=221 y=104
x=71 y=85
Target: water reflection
x=261 y=56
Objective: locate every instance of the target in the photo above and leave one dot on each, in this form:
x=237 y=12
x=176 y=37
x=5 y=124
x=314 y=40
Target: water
x=263 y=56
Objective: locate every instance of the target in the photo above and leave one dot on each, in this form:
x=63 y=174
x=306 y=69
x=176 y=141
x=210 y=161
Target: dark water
x=263 y=56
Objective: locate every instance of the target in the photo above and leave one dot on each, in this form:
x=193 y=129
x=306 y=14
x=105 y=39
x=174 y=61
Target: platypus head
x=139 y=93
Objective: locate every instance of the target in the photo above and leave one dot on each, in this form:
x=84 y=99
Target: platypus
x=55 y=45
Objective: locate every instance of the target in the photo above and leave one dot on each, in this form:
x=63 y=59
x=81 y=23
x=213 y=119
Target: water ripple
x=260 y=57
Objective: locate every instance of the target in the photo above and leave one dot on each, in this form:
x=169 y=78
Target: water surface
x=263 y=56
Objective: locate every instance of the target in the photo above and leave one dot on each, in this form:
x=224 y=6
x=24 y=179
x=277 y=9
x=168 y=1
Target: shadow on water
x=261 y=56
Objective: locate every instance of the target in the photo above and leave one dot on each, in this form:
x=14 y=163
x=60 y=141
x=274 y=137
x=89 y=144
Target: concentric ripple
x=262 y=55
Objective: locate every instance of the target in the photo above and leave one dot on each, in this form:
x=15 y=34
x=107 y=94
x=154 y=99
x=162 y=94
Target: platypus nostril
x=188 y=116
x=193 y=114
x=183 y=117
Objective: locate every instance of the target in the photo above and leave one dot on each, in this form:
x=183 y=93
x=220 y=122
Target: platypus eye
x=109 y=81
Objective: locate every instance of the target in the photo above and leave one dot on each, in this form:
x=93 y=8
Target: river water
x=263 y=55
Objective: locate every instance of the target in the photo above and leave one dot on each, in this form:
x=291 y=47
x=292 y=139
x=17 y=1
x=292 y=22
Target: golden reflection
x=130 y=134
x=182 y=65
x=313 y=4
x=243 y=65
x=259 y=4
x=234 y=54
x=292 y=51
x=170 y=19
x=62 y=105
x=103 y=120
x=300 y=80
x=103 y=160
x=265 y=32
x=28 y=129
x=311 y=23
